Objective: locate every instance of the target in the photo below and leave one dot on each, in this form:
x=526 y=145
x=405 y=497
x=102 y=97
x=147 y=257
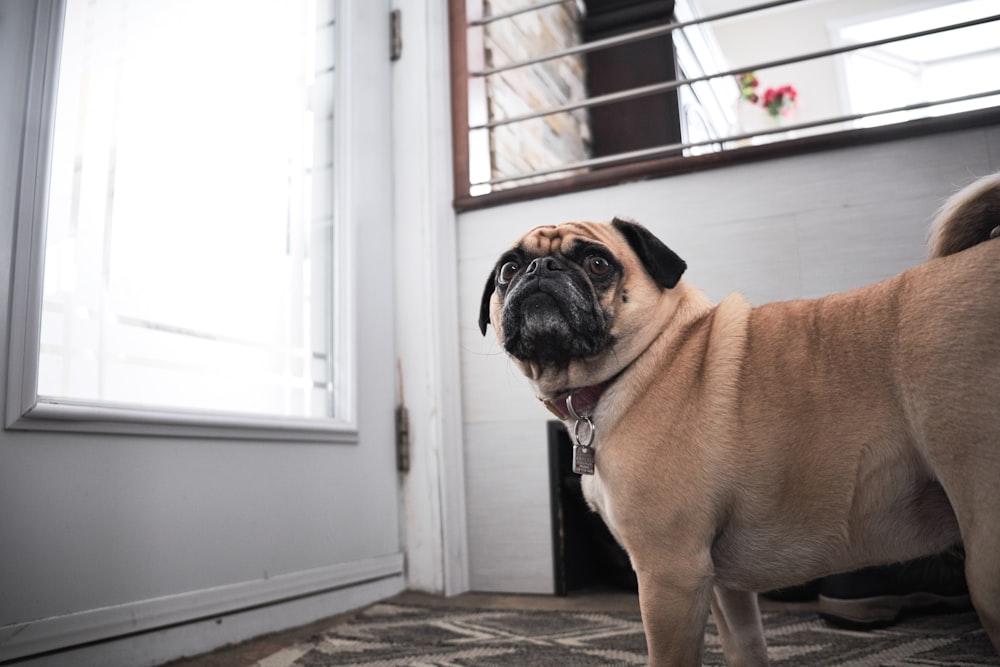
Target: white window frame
x=25 y=410
x=836 y=29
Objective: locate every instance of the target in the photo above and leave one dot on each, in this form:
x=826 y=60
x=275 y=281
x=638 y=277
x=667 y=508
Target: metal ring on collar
x=584 y=442
x=570 y=409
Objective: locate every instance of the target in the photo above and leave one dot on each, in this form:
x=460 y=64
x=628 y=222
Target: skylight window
x=925 y=69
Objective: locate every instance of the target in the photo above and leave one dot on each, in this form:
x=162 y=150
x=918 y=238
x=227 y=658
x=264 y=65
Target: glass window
x=925 y=69
x=189 y=218
x=555 y=96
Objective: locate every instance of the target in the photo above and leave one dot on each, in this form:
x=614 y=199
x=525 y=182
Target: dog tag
x=583 y=453
x=583 y=460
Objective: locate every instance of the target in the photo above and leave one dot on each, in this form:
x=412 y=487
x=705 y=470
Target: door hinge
x=395 y=34
x=402 y=439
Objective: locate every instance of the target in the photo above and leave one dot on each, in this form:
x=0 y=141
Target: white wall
x=797 y=227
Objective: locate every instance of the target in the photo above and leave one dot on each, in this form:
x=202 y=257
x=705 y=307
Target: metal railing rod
x=627 y=38
x=657 y=151
x=667 y=86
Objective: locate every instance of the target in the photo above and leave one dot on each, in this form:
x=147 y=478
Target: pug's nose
x=543 y=265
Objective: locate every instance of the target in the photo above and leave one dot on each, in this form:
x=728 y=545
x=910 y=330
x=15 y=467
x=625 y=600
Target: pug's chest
x=600 y=500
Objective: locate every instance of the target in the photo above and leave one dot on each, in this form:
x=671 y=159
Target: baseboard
x=95 y=625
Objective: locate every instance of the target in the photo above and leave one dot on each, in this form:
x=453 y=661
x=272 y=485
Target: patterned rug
x=398 y=635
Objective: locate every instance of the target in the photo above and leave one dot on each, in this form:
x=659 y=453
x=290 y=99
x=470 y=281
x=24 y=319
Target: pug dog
x=734 y=449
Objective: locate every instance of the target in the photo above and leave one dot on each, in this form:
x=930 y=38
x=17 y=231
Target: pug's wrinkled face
x=571 y=304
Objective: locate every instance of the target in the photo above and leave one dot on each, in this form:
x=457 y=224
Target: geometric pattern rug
x=402 y=635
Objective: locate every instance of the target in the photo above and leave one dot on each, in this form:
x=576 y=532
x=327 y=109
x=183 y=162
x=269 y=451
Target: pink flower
x=777 y=101
x=780 y=101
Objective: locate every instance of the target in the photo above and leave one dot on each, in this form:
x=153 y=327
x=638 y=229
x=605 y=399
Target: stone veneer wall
x=550 y=140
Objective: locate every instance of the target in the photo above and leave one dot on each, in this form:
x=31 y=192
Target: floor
x=597 y=600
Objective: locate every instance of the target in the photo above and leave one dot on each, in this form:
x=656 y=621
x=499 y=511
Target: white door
x=201 y=361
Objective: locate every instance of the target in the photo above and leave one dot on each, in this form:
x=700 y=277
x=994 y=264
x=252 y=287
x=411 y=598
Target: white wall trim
x=107 y=417
x=26 y=296
x=59 y=632
x=427 y=330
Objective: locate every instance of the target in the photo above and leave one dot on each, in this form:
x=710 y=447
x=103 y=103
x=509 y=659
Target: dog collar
x=578 y=405
x=582 y=433
x=584 y=401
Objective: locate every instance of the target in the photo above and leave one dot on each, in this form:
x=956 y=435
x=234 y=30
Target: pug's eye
x=507 y=272
x=596 y=265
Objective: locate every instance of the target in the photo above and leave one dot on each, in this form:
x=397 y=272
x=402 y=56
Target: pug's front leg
x=674 y=601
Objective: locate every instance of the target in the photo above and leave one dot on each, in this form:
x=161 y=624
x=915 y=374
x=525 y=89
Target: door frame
x=427 y=310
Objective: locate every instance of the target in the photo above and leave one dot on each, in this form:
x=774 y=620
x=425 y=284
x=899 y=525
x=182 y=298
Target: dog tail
x=968 y=218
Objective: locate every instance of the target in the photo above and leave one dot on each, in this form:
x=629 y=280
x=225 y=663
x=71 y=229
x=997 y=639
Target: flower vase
x=751 y=119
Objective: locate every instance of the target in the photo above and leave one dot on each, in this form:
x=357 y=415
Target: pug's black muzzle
x=551 y=315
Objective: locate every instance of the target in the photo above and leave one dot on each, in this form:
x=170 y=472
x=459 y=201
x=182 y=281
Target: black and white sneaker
x=877 y=596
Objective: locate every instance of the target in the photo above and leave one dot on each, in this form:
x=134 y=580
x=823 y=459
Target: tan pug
x=734 y=449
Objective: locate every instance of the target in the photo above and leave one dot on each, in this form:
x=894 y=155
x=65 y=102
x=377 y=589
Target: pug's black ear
x=484 y=307
x=662 y=263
